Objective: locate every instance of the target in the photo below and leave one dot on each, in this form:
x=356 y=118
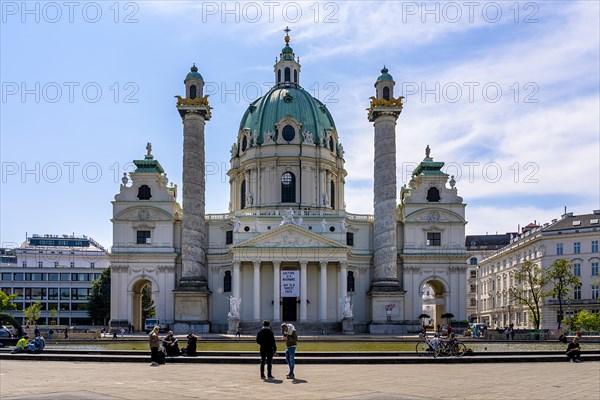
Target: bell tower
x=191 y=293
x=287 y=68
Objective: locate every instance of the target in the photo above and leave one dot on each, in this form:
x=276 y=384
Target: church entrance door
x=289 y=312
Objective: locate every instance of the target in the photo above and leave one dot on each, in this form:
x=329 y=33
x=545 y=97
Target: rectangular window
x=473 y=274
x=64 y=277
x=143 y=237
x=350 y=238
x=473 y=302
x=577 y=269
x=559 y=249
x=52 y=293
x=40 y=264
x=64 y=307
x=472 y=289
x=577 y=292
x=594 y=269
x=28 y=293
x=92 y=265
x=74 y=277
x=38 y=293
x=53 y=277
x=79 y=294
x=55 y=264
x=84 y=277
x=6 y=276
x=38 y=277
x=72 y=264
x=19 y=293
x=24 y=264
x=79 y=306
x=228 y=237
x=434 y=239
x=577 y=247
x=595 y=290
x=64 y=294
x=19 y=276
x=594 y=246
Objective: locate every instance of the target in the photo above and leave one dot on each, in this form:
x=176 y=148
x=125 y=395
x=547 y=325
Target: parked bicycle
x=450 y=347
x=426 y=347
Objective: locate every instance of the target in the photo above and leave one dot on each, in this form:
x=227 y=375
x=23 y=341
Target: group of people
x=268 y=348
x=169 y=346
x=24 y=345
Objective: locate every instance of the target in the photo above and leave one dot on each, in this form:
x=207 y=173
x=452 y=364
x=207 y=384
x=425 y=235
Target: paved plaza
x=70 y=381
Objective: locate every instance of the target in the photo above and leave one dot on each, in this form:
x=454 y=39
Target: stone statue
x=249 y=198
x=256 y=225
x=268 y=137
x=322 y=138
x=326 y=199
x=299 y=220
x=165 y=180
x=340 y=150
x=344 y=226
x=254 y=138
x=323 y=225
x=308 y=137
x=427 y=151
x=347 y=312
x=233 y=150
x=236 y=224
x=149 y=150
x=234 y=308
x=288 y=218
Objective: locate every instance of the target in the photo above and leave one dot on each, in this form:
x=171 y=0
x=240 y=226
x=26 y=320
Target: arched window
x=286 y=76
x=295 y=76
x=193 y=92
x=386 y=93
x=433 y=195
x=288 y=188
x=227 y=281
x=278 y=76
x=244 y=143
x=243 y=194
x=473 y=261
x=331 y=143
x=332 y=191
x=350 y=281
x=144 y=193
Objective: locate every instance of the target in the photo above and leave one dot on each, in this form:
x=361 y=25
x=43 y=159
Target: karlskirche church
x=287 y=249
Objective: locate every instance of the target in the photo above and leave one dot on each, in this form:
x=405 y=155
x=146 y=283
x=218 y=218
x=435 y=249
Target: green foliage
x=560 y=276
x=530 y=290
x=148 y=309
x=32 y=313
x=585 y=321
x=99 y=302
x=6 y=301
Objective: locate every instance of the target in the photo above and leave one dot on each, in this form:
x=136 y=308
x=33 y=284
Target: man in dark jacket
x=266 y=339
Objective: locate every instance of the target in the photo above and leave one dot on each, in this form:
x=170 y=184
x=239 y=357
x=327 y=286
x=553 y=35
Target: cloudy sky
x=505 y=93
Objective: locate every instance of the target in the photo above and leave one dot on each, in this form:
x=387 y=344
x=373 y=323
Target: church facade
x=287 y=249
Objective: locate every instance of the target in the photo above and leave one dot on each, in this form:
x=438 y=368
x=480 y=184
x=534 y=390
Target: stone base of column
x=348 y=326
x=234 y=326
x=191 y=310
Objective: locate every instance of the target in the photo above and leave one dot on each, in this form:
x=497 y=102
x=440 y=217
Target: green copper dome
x=193 y=74
x=384 y=75
x=266 y=111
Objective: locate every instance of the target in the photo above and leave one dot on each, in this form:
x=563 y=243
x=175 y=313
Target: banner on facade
x=290 y=284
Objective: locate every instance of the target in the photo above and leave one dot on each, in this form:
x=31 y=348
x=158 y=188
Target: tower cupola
x=194 y=83
x=384 y=86
x=287 y=67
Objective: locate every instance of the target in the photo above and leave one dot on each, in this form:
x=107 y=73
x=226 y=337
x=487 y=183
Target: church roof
x=429 y=167
x=266 y=111
x=193 y=74
x=384 y=75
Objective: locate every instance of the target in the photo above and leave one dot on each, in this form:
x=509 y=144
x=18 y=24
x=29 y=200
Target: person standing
x=268 y=347
x=290 y=336
x=66 y=332
x=50 y=333
x=154 y=342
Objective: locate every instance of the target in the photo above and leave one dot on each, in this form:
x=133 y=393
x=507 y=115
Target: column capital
x=324 y=264
x=276 y=264
x=303 y=264
x=236 y=264
x=256 y=264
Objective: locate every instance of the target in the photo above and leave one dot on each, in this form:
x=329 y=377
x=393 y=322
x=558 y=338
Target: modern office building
x=56 y=271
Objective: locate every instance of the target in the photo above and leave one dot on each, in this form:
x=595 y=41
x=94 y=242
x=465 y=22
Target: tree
x=560 y=276
x=148 y=309
x=99 y=302
x=6 y=301
x=530 y=290
x=32 y=313
x=586 y=321
x=53 y=315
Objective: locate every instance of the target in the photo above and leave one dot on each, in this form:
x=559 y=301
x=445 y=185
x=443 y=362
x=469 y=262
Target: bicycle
x=424 y=347
x=449 y=347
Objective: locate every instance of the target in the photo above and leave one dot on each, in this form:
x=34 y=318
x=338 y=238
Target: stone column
x=323 y=292
x=193 y=255
x=276 y=291
x=235 y=285
x=343 y=291
x=385 y=225
x=303 y=290
x=256 y=300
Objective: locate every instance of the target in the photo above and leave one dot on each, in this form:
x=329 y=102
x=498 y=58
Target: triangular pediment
x=290 y=235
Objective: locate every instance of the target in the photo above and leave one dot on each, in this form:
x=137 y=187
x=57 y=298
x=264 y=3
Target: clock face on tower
x=433 y=216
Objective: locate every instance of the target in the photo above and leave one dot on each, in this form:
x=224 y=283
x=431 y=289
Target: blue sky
x=507 y=94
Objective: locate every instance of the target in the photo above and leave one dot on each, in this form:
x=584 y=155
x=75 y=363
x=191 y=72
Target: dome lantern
x=287 y=68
